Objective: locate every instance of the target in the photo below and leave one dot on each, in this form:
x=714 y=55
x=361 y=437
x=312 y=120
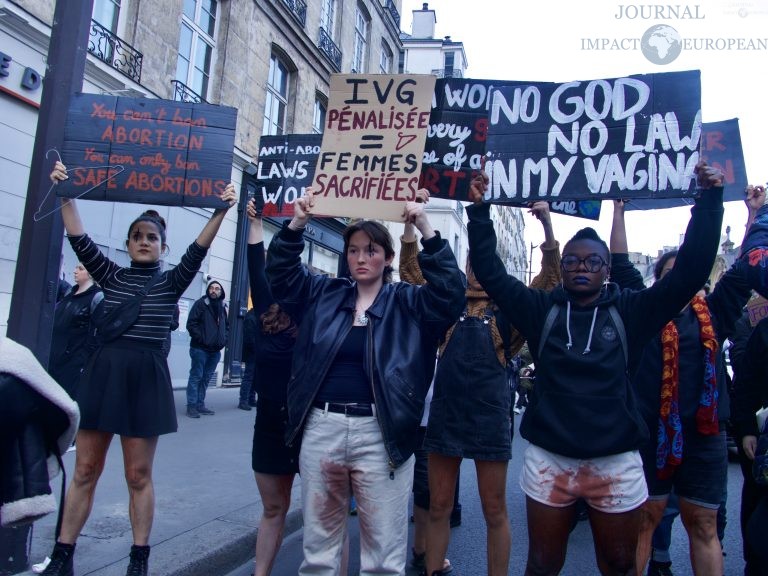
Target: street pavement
x=207 y=504
x=208 y=509
x=467 y=549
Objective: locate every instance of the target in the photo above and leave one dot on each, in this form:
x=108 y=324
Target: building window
x=328 y=17
x=277 y=98
x=449 y=58
x=196 y=45
x=318 y=120
x=361 y=41
x=385 y=62
x=107 y=13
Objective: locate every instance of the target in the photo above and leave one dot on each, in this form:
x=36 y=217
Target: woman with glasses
x=586 y=337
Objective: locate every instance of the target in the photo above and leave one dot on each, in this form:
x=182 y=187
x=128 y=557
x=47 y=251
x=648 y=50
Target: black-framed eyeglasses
x=592 y=262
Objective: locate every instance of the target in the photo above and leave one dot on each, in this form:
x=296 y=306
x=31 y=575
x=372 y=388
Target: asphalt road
x=467 y=548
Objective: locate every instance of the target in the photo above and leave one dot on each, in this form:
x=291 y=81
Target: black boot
x=61 y=563
x=139 y=563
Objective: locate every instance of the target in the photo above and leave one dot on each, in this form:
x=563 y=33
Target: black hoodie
x=207 y=324
x=583 y=405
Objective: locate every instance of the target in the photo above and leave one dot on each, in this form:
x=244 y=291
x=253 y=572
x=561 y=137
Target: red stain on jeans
x=331 y=502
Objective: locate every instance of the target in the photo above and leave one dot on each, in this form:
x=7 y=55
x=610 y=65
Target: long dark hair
x=378 y=234
x=275 y=320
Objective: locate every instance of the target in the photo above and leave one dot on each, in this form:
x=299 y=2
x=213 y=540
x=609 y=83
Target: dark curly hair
x=150 y=216
x=590 y=234
x=662 y=261
x=275 y=321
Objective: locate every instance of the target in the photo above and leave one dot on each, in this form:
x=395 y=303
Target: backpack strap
x=547 y=328
x=619 y=323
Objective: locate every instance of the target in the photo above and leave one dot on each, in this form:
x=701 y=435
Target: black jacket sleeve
x=624 y=273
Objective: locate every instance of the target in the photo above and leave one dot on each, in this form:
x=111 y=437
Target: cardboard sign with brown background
x=373 y=143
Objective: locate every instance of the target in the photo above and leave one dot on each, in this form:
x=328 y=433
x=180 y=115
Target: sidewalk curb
x=212 y=549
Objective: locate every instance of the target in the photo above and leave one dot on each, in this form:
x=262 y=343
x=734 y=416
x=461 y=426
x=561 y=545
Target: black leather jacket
x=405 y=323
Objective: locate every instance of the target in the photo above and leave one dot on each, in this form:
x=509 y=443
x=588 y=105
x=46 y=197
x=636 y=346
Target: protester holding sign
x=470 y=410
x=683 y=396
x=126 y=386
x=362 y=365
x=274 y=464
x=586 y=337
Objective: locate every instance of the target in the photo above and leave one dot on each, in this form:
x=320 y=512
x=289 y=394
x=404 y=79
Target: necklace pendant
x=362 y=319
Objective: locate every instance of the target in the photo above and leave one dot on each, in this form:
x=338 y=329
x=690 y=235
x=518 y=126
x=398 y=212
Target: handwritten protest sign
x=757 y=310
x=171 y=153
x=456 y=138
x=602 y=138
x=458 y=126
x=286 y=167
x=370 y=160
x=721 y=148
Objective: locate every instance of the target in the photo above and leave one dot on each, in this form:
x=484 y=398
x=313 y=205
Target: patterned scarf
x=669 y=447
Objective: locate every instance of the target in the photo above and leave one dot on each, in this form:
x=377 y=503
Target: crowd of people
x=371 y=389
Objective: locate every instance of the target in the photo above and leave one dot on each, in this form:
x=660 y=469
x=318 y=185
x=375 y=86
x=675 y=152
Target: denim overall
x=470 y=412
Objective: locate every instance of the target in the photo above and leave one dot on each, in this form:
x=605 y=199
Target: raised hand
x=708 y=176
x=59 y=173
x=540 y=210
x=477 y=188
x=302 y=209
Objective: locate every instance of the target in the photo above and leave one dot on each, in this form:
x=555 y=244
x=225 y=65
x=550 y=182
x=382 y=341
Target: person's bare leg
x=275 y=492
x=548 y=531
x=615 y=541
x=701 y=525
x=91 y=453
x=651 y=513
x=491 y=483
x=138 y=458
x=442 y=485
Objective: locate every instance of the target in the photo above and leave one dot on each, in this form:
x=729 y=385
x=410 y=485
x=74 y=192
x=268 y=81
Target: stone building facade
x=270 y=59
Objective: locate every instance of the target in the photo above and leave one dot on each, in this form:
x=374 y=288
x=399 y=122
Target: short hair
x=661 y=262
x=150 y=216
x=378 y=234
x=589 y=234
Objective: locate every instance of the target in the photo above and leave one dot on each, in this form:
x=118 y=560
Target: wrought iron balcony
x=392 y=9
x=298 y=10
x=443 y=73
x=183 y=93
x=116 y=52
x=329 y=48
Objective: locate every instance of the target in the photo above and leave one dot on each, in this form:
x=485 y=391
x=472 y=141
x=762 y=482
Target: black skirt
x=270 y=454
x=126 y=389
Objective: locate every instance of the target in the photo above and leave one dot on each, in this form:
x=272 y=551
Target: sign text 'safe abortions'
x=148 y=151
x=370 y=159
x=635 y=137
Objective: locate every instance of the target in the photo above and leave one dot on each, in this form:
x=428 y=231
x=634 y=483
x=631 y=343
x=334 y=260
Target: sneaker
x=192 y=412
x=660 y=568
x=61 y=563
x=139 y=561
x=244 y=406
x=205 y=410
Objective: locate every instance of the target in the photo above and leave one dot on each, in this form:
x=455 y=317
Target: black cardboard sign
x=171 y=153
x=286 y=167
x=636 y=136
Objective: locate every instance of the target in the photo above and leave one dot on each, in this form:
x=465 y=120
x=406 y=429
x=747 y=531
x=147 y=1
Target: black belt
x=351 y=409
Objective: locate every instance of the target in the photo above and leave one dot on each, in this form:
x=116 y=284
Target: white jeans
x=339 y=453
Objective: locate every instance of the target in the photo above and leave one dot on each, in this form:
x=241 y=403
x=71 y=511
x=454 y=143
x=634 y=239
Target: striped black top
x=119 y=284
